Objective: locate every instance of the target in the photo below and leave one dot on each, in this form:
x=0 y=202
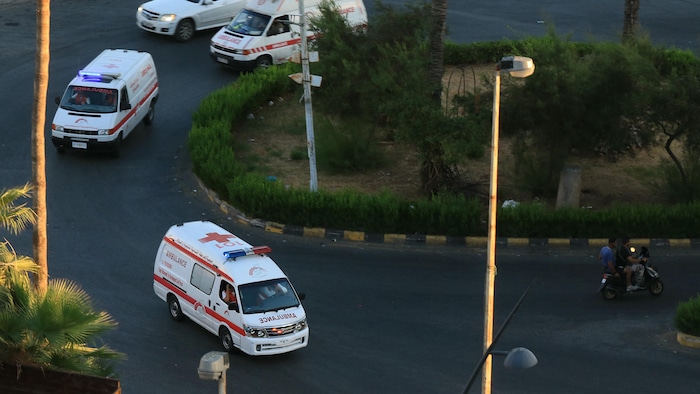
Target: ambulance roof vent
x=97 y=77
x=261 y=250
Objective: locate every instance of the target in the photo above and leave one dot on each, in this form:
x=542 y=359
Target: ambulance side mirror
x=57 y=100
x=233 y=306
x=124 y=106
x=302 y=296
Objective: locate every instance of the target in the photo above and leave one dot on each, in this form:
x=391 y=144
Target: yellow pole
x=489 y=288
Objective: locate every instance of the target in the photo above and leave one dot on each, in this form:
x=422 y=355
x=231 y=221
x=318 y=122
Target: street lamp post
x=519 y=67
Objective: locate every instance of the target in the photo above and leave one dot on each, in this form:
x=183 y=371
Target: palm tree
x=41 y=83
x=437 y=44
x=55 y=329
x=51 y=328
x=631 y=21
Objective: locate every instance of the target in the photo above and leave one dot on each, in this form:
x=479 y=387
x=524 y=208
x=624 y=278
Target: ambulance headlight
x=102 y=131
x=255 y=332
x=300 y=326
x=58 y=128
x=167 y=17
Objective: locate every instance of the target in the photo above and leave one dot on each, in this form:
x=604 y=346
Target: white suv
x=181 y=18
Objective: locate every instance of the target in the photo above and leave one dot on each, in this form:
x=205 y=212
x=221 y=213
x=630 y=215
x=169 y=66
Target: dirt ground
x=264 y=139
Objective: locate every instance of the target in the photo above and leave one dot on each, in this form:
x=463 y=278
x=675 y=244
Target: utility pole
x=306 y=81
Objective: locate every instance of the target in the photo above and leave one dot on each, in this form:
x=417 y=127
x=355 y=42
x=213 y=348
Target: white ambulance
x=230 y=288
x=106 y=101
x=266 y=32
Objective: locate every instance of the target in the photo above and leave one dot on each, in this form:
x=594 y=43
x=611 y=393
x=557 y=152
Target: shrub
x=687 y=318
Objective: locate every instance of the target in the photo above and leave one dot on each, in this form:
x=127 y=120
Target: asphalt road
x=403 y=319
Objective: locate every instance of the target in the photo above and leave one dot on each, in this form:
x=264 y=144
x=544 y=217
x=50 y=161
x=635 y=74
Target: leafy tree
x=573 y=103
x=383 y=74
x=674 y=110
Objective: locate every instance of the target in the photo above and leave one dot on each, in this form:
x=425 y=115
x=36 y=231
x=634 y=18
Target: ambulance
x=266 y=32
x=105 y=102
x=229 y=287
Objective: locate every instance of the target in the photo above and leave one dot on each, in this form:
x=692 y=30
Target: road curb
x=441 y=240
x=688 y=340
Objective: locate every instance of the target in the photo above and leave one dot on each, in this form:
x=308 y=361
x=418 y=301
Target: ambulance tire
x=174 y=308
x=116 y=151
x=184 y=30
x=264 y=61
x=148 y=119
x=226 y=339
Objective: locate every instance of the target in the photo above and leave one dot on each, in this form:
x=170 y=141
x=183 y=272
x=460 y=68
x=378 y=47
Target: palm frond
x=14 y=217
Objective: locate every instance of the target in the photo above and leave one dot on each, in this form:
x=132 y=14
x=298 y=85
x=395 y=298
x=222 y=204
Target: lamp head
x=517 y=66
x=520 y=358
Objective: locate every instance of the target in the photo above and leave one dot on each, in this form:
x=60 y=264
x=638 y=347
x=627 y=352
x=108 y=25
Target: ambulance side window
x=202 y=279
x=124 y=100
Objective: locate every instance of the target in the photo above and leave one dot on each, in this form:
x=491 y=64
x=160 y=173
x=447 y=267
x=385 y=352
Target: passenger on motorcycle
x=631 y=263
x=607 y=257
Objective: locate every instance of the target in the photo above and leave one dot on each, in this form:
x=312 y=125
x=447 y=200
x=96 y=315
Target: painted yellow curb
x=688 y=340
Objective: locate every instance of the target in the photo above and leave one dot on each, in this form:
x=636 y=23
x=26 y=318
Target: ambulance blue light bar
x=95 y=76
x=232 y=254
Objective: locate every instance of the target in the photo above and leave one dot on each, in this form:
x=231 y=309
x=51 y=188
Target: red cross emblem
x=216 y=237
x=111 y=66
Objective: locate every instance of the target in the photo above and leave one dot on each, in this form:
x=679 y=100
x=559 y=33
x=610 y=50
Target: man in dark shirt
x=631 y=263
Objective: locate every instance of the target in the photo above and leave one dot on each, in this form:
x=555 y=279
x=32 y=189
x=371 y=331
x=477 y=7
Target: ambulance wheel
x=264 y=62
x=116 y=151
x=184 y=30
x=174 y=308
x=226 y=339
x=148 y=119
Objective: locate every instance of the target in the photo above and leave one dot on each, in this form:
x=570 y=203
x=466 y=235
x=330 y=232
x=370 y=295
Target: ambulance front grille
x=278 y=331
x=81 y=132
x=222 y=49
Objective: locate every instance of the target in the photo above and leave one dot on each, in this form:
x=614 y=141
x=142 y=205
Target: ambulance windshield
x=249 y=23
x=272 y=295
x=89 y=99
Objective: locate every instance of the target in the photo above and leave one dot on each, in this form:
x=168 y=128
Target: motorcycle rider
x=631 y=263
x=607 y=258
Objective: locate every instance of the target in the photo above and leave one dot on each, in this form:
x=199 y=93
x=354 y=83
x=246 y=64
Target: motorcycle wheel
x=656 y=288
x=609 y=293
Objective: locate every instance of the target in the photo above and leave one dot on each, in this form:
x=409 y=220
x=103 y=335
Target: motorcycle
x=612 y=286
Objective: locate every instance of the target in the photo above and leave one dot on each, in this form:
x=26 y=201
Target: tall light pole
x=519 y=67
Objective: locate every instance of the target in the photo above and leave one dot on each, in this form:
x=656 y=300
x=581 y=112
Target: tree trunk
x=437 y=47
x=434 y=172
x=41 y=82
x=631 y=22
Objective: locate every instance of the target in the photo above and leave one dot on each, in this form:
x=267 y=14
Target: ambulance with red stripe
x=266 y=32
x=229 y=287
x=105 y=102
